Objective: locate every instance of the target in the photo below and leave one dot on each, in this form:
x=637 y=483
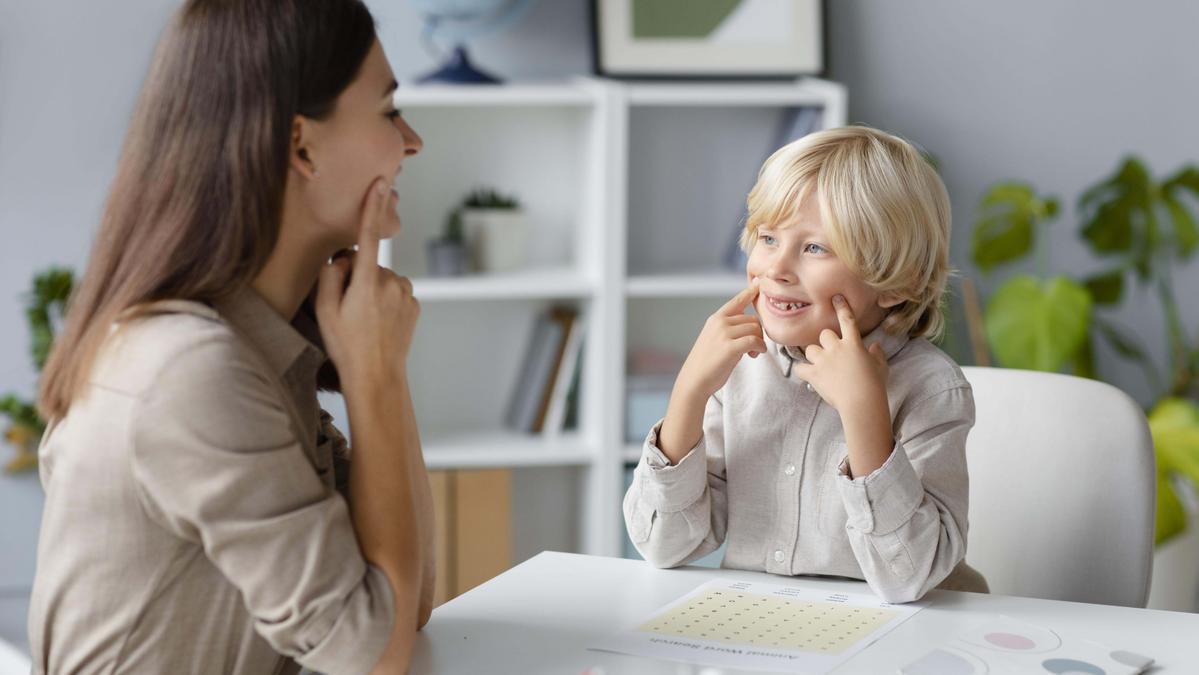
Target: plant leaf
x=1003 y=231
x=1106 y=288
x=1174 y=424
x=1170 y=518
x=1109 y=208
x=1186 y=235
x=1129 y=346
x=1037 y=326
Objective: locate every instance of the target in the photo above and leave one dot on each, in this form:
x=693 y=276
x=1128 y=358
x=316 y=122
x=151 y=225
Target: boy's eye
x=815 y=248
x=766 y=239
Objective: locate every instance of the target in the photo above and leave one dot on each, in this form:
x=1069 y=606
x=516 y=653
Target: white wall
x=1055 y=93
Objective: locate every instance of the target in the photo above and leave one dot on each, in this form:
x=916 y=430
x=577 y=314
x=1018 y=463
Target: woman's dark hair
x=194 y=208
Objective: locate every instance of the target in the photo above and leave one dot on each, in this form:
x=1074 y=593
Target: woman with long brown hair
x=202 y=514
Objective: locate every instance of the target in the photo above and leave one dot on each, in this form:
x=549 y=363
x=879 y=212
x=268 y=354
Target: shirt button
x=789 y=470
x=778 y=556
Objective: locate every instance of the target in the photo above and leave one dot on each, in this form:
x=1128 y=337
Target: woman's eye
x=395 y=113
x=815 y=248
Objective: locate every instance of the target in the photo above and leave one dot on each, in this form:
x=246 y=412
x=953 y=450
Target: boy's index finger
x=742 y=300
x=849 y=323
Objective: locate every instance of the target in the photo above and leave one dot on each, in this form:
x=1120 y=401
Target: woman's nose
x=412 y=140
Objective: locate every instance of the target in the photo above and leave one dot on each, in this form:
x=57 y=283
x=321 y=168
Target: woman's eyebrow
x=390 y=88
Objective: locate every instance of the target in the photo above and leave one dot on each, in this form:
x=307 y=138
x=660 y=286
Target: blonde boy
x=838 y=446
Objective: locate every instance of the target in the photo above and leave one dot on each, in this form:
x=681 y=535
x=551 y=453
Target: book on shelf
x=565 y=380
x=545 y=375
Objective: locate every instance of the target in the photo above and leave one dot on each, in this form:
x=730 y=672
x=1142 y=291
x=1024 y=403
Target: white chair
x=1062 y=488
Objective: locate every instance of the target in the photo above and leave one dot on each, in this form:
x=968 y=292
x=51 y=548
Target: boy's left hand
x=846 y=374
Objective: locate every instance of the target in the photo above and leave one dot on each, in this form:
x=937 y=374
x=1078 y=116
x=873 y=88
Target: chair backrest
x=1062 y=488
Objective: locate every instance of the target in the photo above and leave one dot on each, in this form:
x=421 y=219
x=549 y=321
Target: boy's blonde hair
x=884 y=210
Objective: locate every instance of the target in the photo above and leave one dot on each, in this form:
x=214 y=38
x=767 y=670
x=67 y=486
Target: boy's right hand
x=367 y=325
x=726 y=336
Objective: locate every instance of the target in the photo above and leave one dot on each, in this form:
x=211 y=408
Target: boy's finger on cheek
x=845 y=315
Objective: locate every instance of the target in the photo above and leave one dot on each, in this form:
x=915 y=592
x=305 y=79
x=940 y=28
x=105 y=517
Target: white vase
x=498 y=238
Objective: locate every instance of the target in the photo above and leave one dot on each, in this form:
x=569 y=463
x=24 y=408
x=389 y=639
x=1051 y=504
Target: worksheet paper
x=758 y=626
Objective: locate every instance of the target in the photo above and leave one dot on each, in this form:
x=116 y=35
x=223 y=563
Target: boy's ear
x=889 y=300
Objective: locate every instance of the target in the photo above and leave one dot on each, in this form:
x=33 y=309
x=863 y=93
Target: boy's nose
x=780 y=273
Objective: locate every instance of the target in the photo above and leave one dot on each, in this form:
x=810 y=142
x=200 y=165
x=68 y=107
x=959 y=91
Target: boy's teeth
x=788 y=306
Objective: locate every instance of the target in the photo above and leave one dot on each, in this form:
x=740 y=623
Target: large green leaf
x=1006 y=223
x=1109 y=208
x=1035 y=325
x=1174 y=423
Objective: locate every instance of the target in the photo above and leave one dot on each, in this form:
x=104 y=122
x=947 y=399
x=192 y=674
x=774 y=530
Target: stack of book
x=544 y=399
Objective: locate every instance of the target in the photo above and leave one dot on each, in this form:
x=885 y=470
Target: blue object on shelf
x=454 y=23
x=459 y=70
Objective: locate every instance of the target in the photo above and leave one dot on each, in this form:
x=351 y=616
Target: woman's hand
x=726 y=336
x=846 y=374
x=367 y=325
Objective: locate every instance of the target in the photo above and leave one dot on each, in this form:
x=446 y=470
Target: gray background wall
x=1051 y=92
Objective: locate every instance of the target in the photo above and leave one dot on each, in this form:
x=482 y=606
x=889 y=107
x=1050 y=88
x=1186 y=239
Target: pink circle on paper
x=1009 y=641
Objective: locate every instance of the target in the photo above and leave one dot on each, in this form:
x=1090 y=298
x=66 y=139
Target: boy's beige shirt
x=768 y=479
x=192 y=522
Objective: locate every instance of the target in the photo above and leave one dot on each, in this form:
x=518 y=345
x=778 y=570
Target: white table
x=542 y=615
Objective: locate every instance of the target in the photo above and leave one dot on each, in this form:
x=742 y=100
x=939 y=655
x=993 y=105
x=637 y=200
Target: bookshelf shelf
x=533 y=284
x=689 y=285
x=810 y=91
x=572 y=94
x=504 y=448
x=632 y=191
x=631 y=453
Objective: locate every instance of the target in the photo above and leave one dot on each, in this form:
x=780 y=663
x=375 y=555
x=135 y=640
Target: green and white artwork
x=709 y=37
x=715 y=21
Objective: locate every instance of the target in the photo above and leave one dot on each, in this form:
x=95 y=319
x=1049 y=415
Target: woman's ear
x=300 y=157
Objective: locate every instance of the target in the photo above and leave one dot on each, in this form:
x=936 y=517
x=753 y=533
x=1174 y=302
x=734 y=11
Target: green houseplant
x=1141 y=228
x=45 y=304
x=496 y=230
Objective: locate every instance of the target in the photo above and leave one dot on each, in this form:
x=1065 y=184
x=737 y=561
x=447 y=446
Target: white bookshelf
x=539 y=283
x=632 y=192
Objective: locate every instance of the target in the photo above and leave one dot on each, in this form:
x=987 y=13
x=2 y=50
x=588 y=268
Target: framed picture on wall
x=708 y=38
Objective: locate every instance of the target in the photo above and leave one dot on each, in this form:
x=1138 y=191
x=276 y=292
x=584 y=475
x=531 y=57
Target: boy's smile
x=785 y=306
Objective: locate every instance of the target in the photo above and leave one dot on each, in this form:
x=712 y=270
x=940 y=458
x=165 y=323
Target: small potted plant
x=447 y=254
x=496 y=230
x=45 y=306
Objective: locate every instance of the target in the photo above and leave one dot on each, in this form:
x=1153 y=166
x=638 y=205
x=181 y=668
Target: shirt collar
x=284 y=345
x=784 y=355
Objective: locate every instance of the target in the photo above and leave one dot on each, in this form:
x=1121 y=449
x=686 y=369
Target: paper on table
x=760 y=626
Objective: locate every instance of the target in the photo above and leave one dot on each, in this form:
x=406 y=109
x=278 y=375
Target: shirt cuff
x=357 y=639
x=671 y=487
x=884 y=500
